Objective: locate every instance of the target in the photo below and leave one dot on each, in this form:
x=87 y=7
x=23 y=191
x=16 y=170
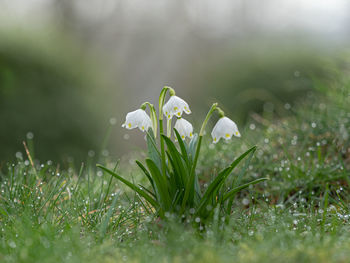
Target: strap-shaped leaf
x=177 y=159
x=160 y=183
x=148 y=191
x=153 y=152
x=132 y=186
x=237 y=181
x=192 y=146
x=182 y=148
x=220 y=179
x=176 y=174
x=145 y=171
x=239 y=188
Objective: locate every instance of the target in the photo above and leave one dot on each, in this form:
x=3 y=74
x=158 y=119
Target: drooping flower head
x=184 y=128
x=175 y=107
x=137 y=119
x=224 y=128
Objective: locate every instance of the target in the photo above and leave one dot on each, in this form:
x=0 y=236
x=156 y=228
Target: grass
x=300 y=215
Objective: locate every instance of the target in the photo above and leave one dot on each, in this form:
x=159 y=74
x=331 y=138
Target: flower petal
x=184 y=128
x=137 y=119
x=225 y=128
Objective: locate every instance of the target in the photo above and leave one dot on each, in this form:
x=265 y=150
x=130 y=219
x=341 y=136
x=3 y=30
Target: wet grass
x=300 y=215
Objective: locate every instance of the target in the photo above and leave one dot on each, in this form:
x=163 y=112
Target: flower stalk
x=153 y=116
x=161 y=129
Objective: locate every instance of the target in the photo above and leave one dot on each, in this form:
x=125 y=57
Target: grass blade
x=241 y=187
x=132 y=186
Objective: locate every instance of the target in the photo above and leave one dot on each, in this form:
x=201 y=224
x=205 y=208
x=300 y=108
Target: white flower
x=137 y=119
x=175 y=106
x=224 y=128
x=184 y=128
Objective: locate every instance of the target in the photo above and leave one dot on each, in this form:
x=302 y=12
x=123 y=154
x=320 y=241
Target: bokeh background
x=71 y=70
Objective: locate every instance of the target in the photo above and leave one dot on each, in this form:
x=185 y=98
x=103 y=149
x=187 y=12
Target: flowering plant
x=171 y=168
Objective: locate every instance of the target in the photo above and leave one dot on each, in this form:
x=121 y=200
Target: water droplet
x=12 y=244
x=112 y=121
x=30 y=135
x=245 y=201
x=19 y=155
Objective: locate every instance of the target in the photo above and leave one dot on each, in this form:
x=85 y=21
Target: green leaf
x=175 y=176
x=237 y=181
x=104 y=224
x=145 y=171
x=192 y=146
x=239 y=188
x=177 y=160
x=132 y=186
x=153 y=152
x=161 y=184
x=182 y=148
x=220 y=179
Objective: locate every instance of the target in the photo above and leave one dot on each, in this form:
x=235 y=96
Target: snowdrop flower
x=137 y=119
x=184 y=128
x=175 y=106
x=224 y=128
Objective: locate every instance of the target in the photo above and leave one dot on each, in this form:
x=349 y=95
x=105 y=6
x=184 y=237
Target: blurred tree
x=254 y=77
x=49 y=91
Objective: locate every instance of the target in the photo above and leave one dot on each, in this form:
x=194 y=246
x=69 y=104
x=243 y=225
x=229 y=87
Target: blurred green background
x=70 y=72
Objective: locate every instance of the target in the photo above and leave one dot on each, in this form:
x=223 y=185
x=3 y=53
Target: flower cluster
x=225 y=128
x=174 y=186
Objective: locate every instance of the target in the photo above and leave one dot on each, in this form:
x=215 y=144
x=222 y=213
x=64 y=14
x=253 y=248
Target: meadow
x=300 y=213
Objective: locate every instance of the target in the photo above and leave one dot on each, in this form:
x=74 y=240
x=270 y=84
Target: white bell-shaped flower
x=137 y=119
x=224 y=128
x=175 y=106
x=184 y=128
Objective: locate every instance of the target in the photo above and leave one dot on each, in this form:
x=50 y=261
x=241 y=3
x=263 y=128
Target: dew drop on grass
x=112 y=121
x=19 y=155
x=245 y=201
x=12 y=244
x=30 y=135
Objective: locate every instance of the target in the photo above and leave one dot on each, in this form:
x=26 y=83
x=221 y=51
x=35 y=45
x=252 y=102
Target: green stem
x=161 y=130
x=153 y=116
x=190 y=182
x=162 y=151
x=168 y=128
x=210 y=112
